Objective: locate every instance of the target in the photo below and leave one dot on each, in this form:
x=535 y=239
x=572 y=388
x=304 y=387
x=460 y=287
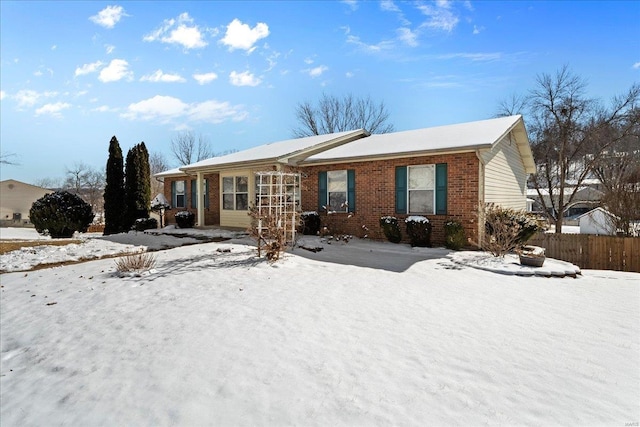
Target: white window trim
x=433 y=189
x=346 y=191
x=235 y=192
x=182 y=193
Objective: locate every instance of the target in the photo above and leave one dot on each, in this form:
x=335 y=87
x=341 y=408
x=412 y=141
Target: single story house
x=16 y=198
x=440 y=172
x=586 y=198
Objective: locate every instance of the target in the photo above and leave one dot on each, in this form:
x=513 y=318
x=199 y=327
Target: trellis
x=277 y=207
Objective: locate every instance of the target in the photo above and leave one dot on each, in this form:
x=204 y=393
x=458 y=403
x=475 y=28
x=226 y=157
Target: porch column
x=200 y=193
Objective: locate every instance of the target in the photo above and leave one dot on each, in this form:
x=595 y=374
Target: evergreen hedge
x=60 y=214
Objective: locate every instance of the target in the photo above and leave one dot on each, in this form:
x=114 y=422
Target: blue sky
x=73 y=74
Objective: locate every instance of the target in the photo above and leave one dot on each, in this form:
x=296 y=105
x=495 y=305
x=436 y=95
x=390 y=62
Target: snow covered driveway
x=220 y=338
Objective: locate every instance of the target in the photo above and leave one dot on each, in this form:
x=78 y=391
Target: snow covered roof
x=290 y=151
x=584 y=191
x=359 y=144
x=596 y=210
x=463 y=136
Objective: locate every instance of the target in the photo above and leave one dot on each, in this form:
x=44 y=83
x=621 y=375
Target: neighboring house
x=16 y=199
x=597 y=221
x=441 y=172
x=586 y=198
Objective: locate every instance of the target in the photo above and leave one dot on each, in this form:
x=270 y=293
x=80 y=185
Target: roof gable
x=290 y=151
x=359 y=145
x=464 y=136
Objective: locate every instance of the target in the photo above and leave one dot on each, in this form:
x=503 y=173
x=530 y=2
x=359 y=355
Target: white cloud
x=353 y=4
x=441 y=17
x=477 y=30
x=369 y=48
x=109 y=16
x=28 y=98
x=116 y=70
x=493 y=56
x=103 y=109
x=407 y=36
x=37 y=73
x=243 y=79
x=316 y=71
x=216 y=112
x=205 y=78
x=158 y=107
x=3 y=95
x=159 y=76
x=109 y=48
x=53 y=110
x=241 y=36
x=636 y=65
x=88 y=68
x=168 y=108
x=349 y=74
x=389 y=6
x=180 y=31
x=54 y=47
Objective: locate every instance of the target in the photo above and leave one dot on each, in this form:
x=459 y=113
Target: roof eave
x=398 y=155
x=297 y=157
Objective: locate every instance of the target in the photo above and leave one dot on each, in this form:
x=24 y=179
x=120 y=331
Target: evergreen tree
x=114 y=202
x=137 y=184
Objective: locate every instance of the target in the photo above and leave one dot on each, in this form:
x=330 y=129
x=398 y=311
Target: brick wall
x=375 y=194
x=212 y=213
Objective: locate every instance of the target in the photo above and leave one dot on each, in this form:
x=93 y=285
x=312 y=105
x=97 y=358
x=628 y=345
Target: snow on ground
x=414 y=337
x=95 y=245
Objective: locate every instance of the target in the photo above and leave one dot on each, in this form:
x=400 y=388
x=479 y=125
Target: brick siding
x=375 y=195
x=212 y=213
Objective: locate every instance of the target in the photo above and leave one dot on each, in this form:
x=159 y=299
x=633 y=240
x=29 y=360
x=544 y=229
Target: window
x=178 y=195
x=336 y=189
x=421 y=189
x=194 y=194
x=235 y=193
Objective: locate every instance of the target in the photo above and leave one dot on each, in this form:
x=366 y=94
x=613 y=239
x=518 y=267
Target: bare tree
x=7 y=159
x=618 y=170
x=566 y=130
x=157 y=164
x=50 y=183
x=187 y=149
x=333 y=114
x=86 y=182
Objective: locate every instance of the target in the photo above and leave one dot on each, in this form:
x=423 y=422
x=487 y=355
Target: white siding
x=505 y=180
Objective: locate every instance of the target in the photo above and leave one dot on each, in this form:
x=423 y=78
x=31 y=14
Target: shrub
x=419 y=231
x=142 y=224
x=185 y=219
x=454 y=234
x=310 y=223
x=271 y=237
x=60 y=214
x=507 y=229
x=137 y=263
x=391 y=229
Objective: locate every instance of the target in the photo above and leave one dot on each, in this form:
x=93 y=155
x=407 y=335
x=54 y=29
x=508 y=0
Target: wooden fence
x=592 y=252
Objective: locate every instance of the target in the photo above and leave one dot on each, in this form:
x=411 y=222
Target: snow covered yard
x=222 y=338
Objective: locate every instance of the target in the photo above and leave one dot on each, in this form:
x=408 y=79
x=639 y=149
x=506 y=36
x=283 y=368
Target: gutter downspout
x=481 y=166
x=200 y=195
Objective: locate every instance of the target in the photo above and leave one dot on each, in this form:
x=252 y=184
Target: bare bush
x=506 y=229
x=137 y=263
x=269 y=234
